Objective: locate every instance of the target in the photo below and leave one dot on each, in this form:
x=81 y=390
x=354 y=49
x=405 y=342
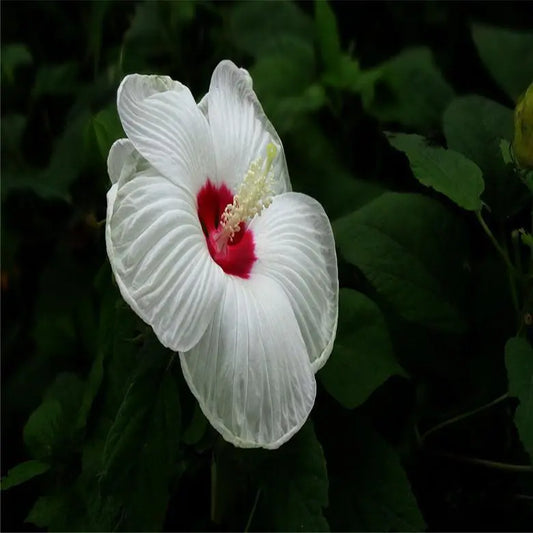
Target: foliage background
x=110 y=437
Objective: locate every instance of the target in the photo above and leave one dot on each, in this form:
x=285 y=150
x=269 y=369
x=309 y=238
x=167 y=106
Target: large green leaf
x=294 y=485
x=42 y=429
x=51 y=427
x=90 y=389
x=508 y=56
x=63 y=509
x=120 y=336
x=284 y=81
x=407 y=89
x=411 y=250
x=48 y=511
x=196 y=429
x=257 y=27
x=107 y=129
x=141 y=448
x=363 y=357
x=475 y=126
x=13 y=56
x=65 y=325
x=327 y=35
x=56 y=79
x=23 y=472
x=519 y=363
x=448 y=172
x=373 y=492
x=322 y=173
x=66 y=163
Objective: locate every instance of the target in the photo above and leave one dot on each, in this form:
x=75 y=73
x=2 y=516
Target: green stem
x=509 y=467
x=523 y=497
x=171 y=360
x=495 y=242
x=214 y=510
x=517 y=256
x=462 y=416
x=252 y=512
x=510 y=267
x=513 y=286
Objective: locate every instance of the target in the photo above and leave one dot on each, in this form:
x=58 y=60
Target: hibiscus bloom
x=212 y=250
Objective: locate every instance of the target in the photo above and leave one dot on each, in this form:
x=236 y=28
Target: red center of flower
x=237 y=256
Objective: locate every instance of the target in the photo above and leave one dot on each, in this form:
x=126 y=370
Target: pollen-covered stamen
x=254 y=195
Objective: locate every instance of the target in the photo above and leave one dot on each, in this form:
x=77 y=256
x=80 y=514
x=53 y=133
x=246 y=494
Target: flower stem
x=504 y=255
x=252 y=512
x=509 y=467
x=523 y=497
x=462 y=416
x=171 y=360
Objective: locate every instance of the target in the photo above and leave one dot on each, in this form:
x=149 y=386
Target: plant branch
x=462 y=416
x=509 y=467
x=252 y=512
x=504 y=255
x=495 y=242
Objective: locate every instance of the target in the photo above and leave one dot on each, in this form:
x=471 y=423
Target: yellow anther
x=254 y=195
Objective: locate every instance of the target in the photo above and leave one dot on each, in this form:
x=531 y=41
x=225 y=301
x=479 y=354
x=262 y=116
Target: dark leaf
x=363 y=357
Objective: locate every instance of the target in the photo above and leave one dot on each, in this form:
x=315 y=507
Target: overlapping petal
x=250 y=371
x=240 y=128
x=295 y=246
x=163 y=122
x=158 y=252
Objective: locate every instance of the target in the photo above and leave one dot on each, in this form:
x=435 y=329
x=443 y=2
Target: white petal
x=162 y=120
x=250 y=372
x=160 y=258
x=122 y=160
x=240 y=128
x=294 y=245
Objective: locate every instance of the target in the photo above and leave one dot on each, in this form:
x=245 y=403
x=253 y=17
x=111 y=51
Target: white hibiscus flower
x=211 y=249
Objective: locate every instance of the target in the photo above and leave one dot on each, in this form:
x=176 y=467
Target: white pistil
x=254 y=195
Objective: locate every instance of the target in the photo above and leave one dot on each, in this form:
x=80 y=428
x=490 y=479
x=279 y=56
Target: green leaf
x=410 y=249
x=90 y=390
x=52 y=426
x=107 y=129
x=519 y=363
x=65 y=166
x=67 y=389
x=196 y=429
x=13 y=126
x=407 y=89
x=475 y=126
x=47 y=509
x=526 y=238
x=43 y=428
x=448 y=172
x=155 y=36
x=373 y=492
x=257 y=27
x=508 y=56
x=14 y=56
x=56 y=79
x=318 y=160
x=63 y=509
x=328 y=35
x=120 y=335
x=363 y=357
x=284 y=79
x=23 y=472
x=141 y=448
x=294 y=485
x=95 y=27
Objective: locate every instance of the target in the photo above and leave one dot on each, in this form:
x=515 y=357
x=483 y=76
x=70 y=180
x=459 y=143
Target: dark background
x=52 y=249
